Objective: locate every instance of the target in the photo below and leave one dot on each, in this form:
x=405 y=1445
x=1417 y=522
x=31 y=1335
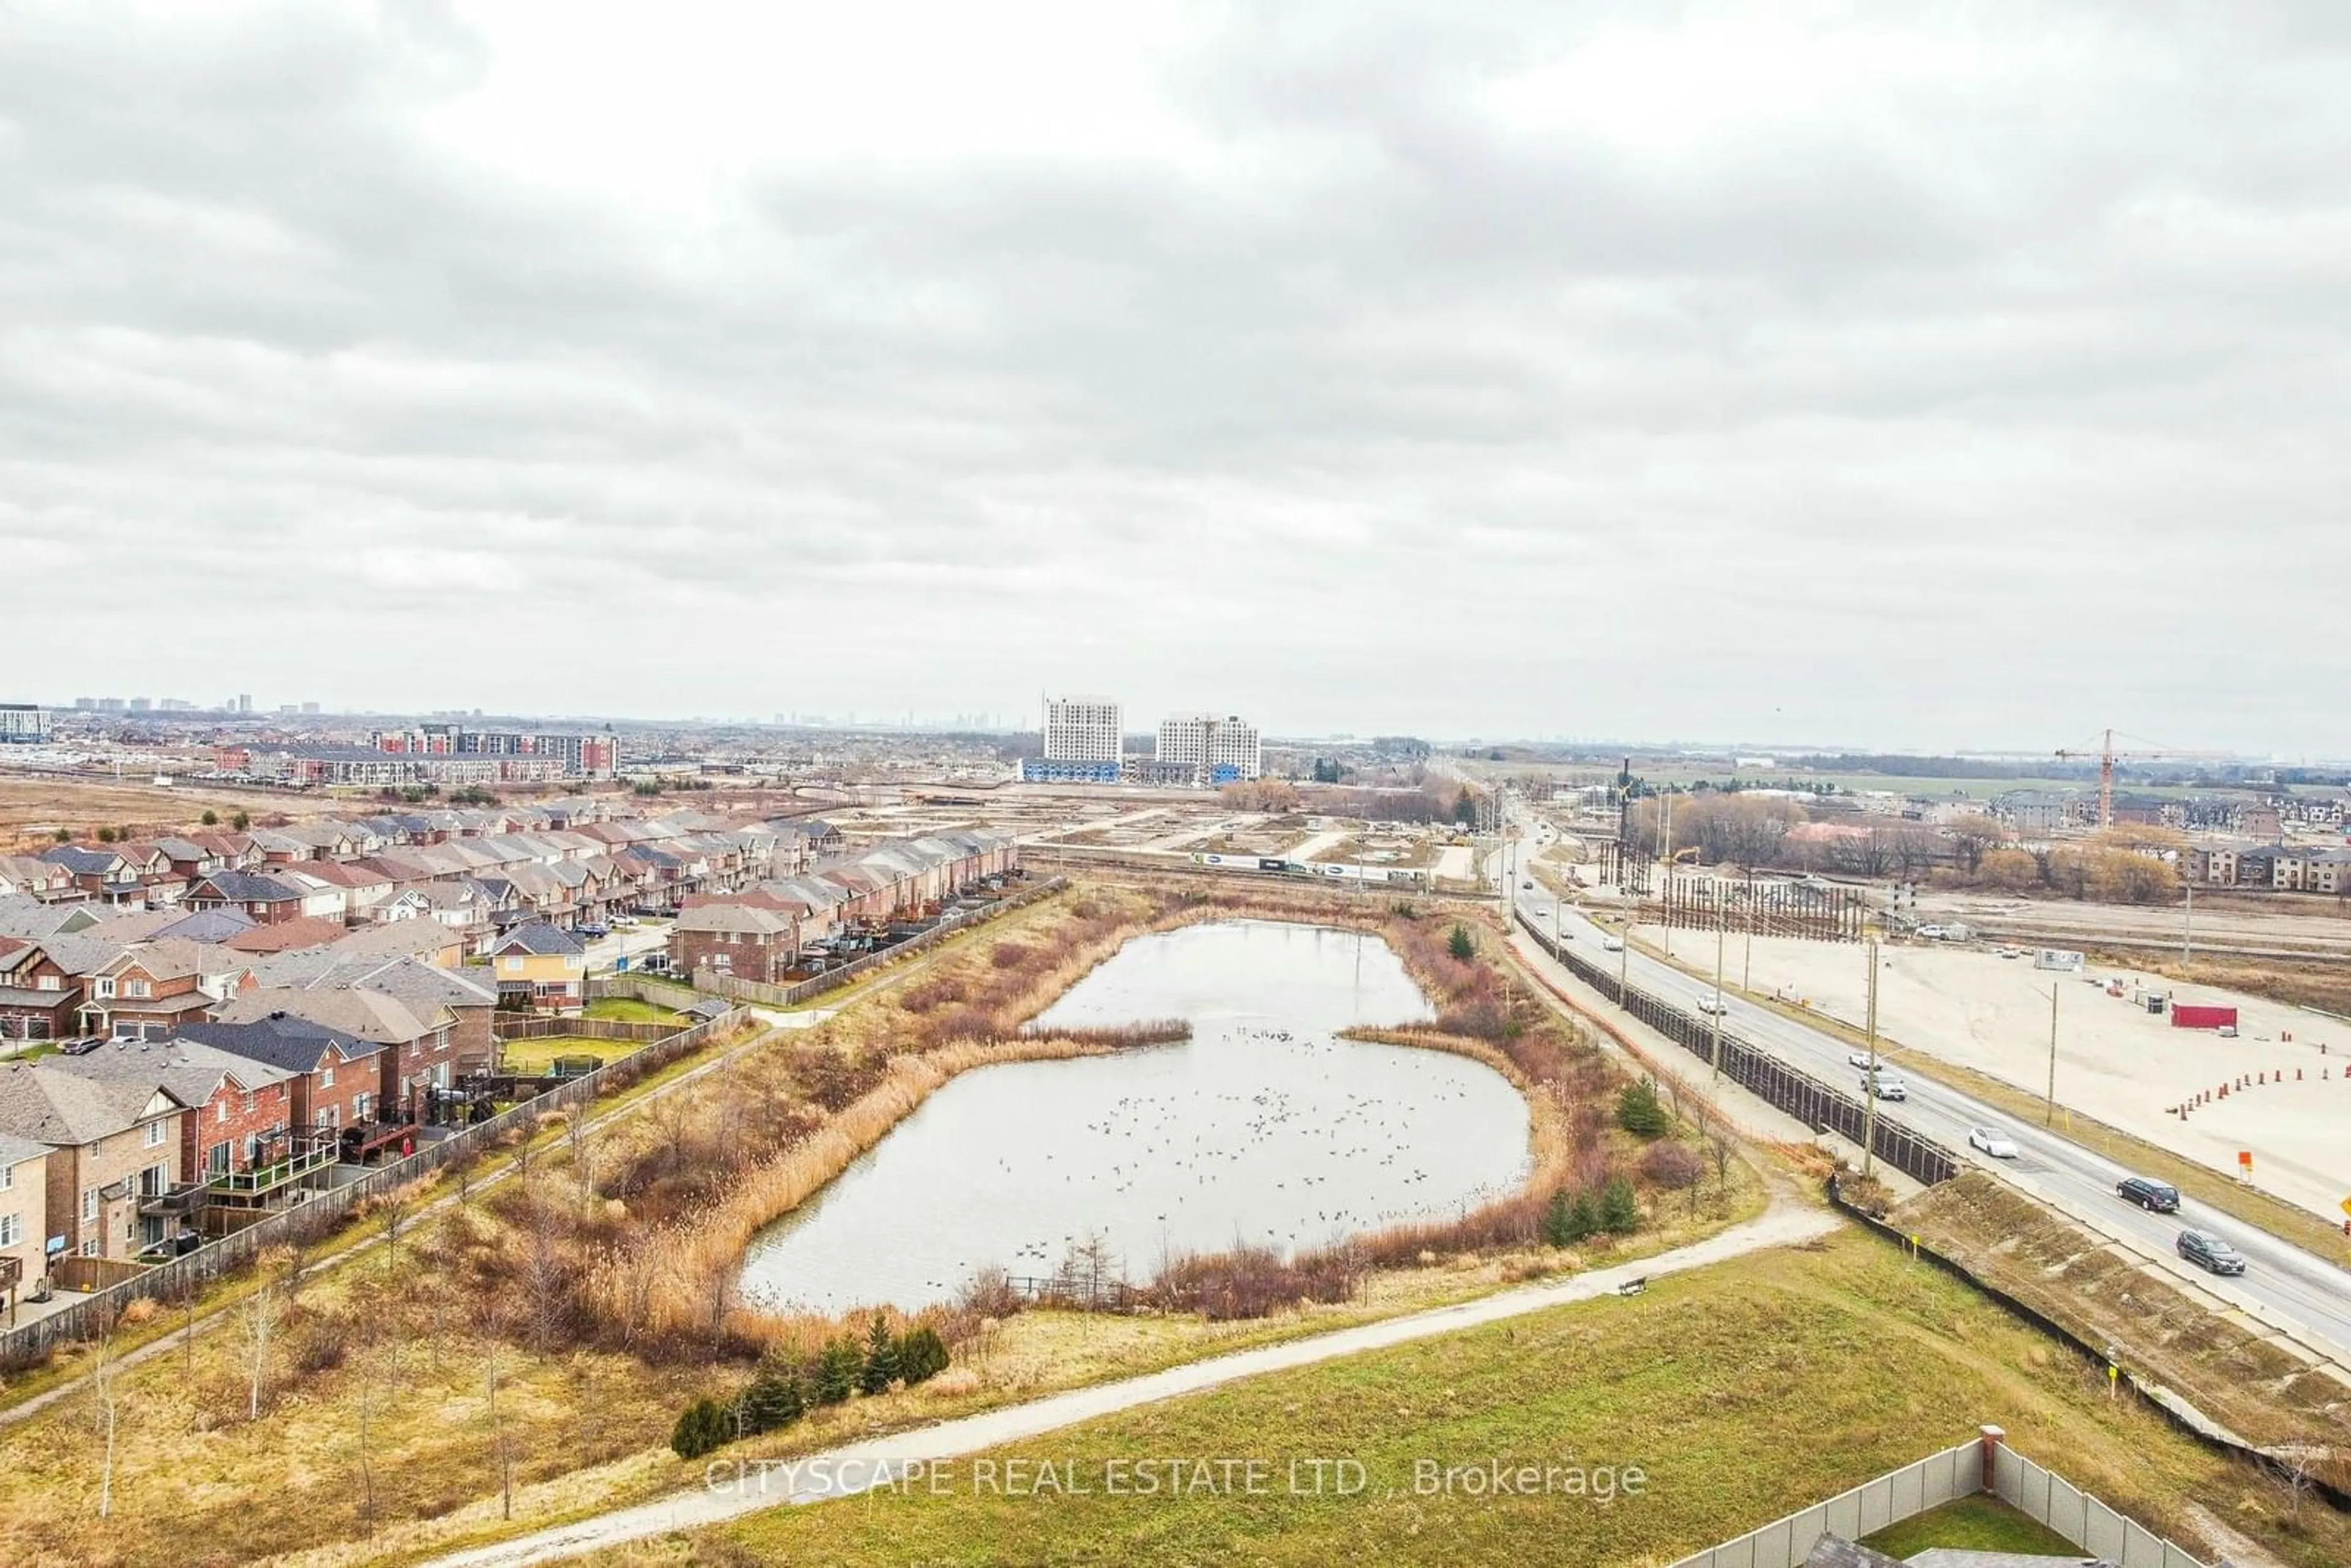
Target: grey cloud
x=1927 y=411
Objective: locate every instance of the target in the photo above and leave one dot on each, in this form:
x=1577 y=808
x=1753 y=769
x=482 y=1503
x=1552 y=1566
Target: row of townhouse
x=773 y=931
x=476 y=872
x=2294 y=868
x=309 y=1060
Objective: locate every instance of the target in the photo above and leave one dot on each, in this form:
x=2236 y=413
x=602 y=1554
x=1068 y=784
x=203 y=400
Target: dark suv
x=2155 y=1197
x=2208 y=1251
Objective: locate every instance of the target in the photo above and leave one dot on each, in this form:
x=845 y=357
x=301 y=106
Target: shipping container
x=2189 y=1015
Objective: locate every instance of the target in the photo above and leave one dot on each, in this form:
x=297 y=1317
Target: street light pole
x=1718 y=933
x=2049 y=1112
x=1869 y=1085
x=2187 y=927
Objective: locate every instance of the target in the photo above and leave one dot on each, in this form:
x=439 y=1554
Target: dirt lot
x=2288 y=922
x=34 y=806
x=2115 y=1061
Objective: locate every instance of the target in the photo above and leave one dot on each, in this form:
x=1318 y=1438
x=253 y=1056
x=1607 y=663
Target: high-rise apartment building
x=1219 y=751
x=1083 y=730
x=1084 y=742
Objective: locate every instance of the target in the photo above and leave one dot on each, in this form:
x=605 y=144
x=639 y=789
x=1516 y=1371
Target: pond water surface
x=1264 y=1127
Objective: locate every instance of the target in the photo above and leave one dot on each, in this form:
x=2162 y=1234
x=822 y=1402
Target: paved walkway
x=862 y=1466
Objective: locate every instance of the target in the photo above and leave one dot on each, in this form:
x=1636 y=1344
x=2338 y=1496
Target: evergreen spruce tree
x=1639 y=1113
x=1559 y=1220
x=1461 y=944
x=881 y=1368
x=773 y=1401
x=1620 y=1211
x=836 y=1371
x=1582 y=1218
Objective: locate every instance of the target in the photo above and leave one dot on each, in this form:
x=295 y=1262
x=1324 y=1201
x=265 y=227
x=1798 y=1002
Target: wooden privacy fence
x=670 y=994
x=832 y=979
x=578 y=1028
x=1753 y=1067
x=308 y=1221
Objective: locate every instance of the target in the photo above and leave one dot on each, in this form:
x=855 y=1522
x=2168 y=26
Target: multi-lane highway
x=2282 y=1285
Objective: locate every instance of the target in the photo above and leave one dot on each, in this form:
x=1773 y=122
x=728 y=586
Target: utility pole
x=1624 y=961
x=1869 y=1085
x=2187 y=927
x=1718 y=933
x=2049 y=1114
x=1747 y=964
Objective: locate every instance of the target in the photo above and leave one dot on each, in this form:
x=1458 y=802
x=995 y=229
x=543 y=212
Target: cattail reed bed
x=1115 y=1036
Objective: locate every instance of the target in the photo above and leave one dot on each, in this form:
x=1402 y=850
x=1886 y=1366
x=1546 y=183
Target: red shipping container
x=2188 y=1015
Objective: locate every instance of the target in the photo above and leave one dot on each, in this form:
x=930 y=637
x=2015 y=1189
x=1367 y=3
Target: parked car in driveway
x=1993 y=1142
x=2155 y=1197
x=2211 y=1253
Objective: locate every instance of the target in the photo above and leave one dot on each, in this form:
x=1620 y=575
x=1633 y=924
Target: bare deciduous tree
x=257 y=1318
x=106 y=1394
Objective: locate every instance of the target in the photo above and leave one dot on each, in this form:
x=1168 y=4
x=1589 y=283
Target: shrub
x=211 y=819
x=1620 y=1211
x=922 y=1356
x=1461 y=944
x=700 y=1429
x=1008 y=955
x=881 y=1367
x=1672 y=1167
x=1639 y=1112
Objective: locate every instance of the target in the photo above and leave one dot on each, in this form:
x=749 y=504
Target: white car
x=1860 y=1058
x=1611 y=943
x=1932 y=933
x=1887 y=1085
x=1993 y=1142
x=1711 y=1005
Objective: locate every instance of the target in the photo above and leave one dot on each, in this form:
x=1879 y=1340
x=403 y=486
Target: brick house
x=24 y=1218
x=37 y=996
x=744 y=940
x=114 y=1149
x=238 y=1109
x=339 y=1078
x=102 y=875
x=143 y=993
x=423 y=987
x=418 y=1042
x=265 y=898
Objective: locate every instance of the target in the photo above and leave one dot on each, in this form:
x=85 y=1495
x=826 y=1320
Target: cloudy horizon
x=1949 y=380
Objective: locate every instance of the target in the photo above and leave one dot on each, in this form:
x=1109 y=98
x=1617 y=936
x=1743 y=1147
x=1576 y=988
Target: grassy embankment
x=1742 y=1391
x=2172 y=1336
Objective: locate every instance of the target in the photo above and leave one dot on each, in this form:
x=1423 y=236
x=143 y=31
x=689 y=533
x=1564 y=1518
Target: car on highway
x=2211 y=1253
x=2155 y=1197
x=1860 y=1058
x=1527 y=885
x=1885 y=1085
x=1611 y=943
x=1710 y=1005
x=1993 y=1142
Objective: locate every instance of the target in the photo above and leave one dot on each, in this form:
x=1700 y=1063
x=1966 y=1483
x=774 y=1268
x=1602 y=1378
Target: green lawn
x=529 y=1057
x=1976 y=1524
x=628 y=1010
x=1743 y=1393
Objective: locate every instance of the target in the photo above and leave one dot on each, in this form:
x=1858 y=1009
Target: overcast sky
x=1977 y=379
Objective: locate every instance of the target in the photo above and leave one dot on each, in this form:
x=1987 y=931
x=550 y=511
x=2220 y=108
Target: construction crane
x=2107 y=756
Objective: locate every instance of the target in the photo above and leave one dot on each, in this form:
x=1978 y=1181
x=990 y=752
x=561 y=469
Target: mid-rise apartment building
x=1083 y=741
